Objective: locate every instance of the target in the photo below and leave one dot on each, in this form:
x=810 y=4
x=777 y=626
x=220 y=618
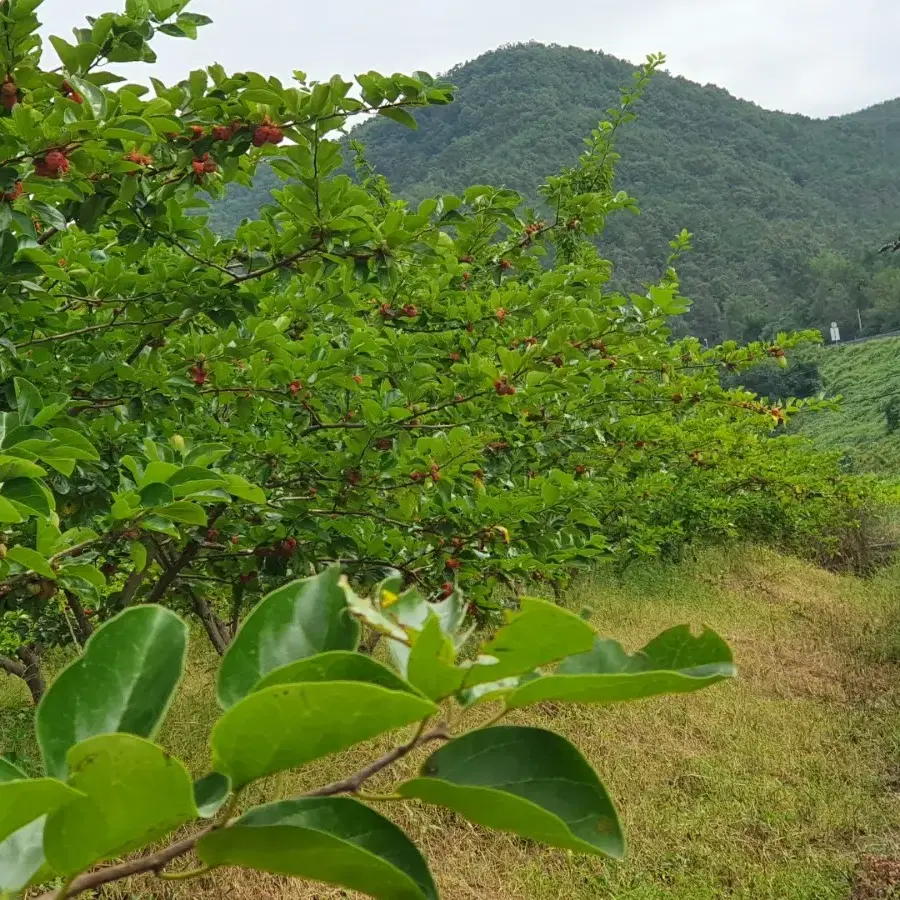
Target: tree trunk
x=215 y=628
x=84 y=624
x=31 y=672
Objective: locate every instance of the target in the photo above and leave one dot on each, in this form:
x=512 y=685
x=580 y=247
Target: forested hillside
x=787 y=212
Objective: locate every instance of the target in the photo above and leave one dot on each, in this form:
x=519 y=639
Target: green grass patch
x=773 y=787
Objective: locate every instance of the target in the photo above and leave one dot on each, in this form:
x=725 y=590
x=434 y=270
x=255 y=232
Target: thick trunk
x=31 y=672
x=84 y=624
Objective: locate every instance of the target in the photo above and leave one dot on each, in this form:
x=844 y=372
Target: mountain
x=787 y=212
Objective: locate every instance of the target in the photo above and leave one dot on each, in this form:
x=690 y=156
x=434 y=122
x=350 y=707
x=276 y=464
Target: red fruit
x=137 y=158
x=9 y=94
x=288 y=546
x=386 y=311
x=52 y=165
x=267 y=134
x=384 y=444
x=467 y=259
x=132 y=534
x=470 y=327
x=296 y=387
x=204 y=166
x=110 y=568
x=248 y=577
x=198 y=131
x=500 y=314
x=505 y=264
x=354 y=476
x=558 y=361
x=16 y=192
x=452 y=563
x=210 y=166
x=88 y=612
x=358 y=379
x=62 y=263
x=580 y=470
x=416 y=476
x=447 y=589
x=459 y=399
x=71 y=93
x=222 y=133
x=235 y=539
x=435 y=473
x=777 y=352
x=199 y=375
x=410 y=311
x=454 y=357
x=466 y=276
x=212 y=535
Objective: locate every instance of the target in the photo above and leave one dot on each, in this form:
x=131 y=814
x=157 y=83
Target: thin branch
x=91 y=328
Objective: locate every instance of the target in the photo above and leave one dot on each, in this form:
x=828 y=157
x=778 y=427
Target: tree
x=892 y=414
x=194 y=419
x=294 y=674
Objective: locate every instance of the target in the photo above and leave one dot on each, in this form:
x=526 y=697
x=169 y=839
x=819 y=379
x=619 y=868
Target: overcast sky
x=818 y=57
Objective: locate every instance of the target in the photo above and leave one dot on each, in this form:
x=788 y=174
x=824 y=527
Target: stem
x=184 y=876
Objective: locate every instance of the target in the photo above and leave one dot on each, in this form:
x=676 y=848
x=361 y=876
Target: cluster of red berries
x=503 y=387
x=70 y=93
x=500 y=314
x=505 y=264
x=296 y=387
x=776 y=352
x=138 y=158
x=204 y=166
x=17 y=190
x=54 y=165
x=267 y=134
x=9 y=94
x=199 y=375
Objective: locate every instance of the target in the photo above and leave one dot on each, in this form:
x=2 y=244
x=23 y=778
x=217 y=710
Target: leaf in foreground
x=145 y=648
x=528 y=781
x=296 y=621
x=334 y=840
x=676 y=662
x=135 y=794
x=288 y=725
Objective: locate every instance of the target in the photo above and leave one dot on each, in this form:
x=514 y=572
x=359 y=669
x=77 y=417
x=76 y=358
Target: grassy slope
x=771 y=787
x=862 y=374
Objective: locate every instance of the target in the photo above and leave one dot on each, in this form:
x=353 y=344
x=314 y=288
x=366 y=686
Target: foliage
x=787 y=212
x=865 y=377
x=892 y=414
x=112 y=791
x=800 y=379
x=193 y=420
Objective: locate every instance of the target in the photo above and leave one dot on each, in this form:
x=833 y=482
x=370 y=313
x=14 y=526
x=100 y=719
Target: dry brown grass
x=774 y=786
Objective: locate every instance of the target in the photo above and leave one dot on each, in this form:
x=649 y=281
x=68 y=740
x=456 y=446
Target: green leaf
x=188 y=513
x=430 y=666
x=9 y=515
x=96 y=99
x=540 y=634
x=210 y=793
x=13 y=467
x=304 y=722
x=399 y=115
x=31 y=560
x=24 y=801
x=22 y=861
x=9 y=772
x=296 y=621
x=676 y=662
x=528 y=781
x=335 y=840
x=156 y=494
x=145 y=646
x=80 y=446
x=244 y=490
x=135 y=793
x=28 y=400
x=337 y=665
x=28 y=496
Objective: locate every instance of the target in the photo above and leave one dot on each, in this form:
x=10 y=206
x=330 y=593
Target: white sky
x=818 y=57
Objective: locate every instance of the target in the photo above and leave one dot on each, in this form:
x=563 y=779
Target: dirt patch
x=878 y=878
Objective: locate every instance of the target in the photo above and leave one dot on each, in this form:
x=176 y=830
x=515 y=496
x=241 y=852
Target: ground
x=782 y=785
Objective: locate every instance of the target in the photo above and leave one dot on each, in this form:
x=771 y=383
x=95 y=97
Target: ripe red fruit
x=137 y=158
x=410 y=311
x=459 y=399
x=416 y=476
x=467 y=276
x=454 y=357
x=70 y=92
x=313 y=491
x=212 y=535
x=500 y=314
x=235 y=539
x=467 y=259
x=435 y=472
x=557 y=361
x=358 y=379
x=505 y=264
x=384 y=444
x=267 y=134
x=222 y=133
x=199 y=375
x=386 y=311
x=296 y=387
x=503 y=387
x=452 y=563
x=16 y=192
x=470 y=327
x=9 y=94
x=204 y=166
x=447 y=589
x=198 y=131
x=580 y=470
x=53 y=165
x=354 y=476
x=288 y=546
x=88 y=612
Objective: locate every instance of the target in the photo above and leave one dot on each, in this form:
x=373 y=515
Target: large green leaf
x=297 y=621
x=32 y=561
x=335 y=840
x=22 y=861
x=210 y=793
x=24 y=801
x=288 y=725
x=123 y=682
x=540 y=634
x=531 y=782
x=27 y=496
x=676 y=662
x=135 y=793
x=336 y=665
x=430 y=666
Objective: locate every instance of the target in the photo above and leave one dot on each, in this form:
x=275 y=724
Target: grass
x=773 y=787
x=865 y=375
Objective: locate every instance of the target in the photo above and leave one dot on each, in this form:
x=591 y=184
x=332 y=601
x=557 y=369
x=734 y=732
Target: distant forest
x=788 y=213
